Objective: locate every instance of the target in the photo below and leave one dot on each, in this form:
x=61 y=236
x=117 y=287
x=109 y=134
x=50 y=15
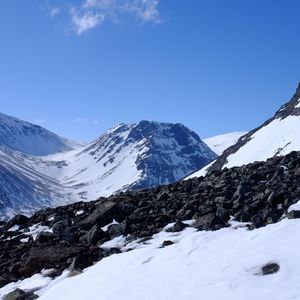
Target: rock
x=163 y=196
x=82 y=261
x=47 y=258
x=108 y=211
x=19 y=294
x=17 y=220
x=293 y=214
x=178 y=226
x=167 y=243
x=208 y=222
x=270 y=268
x=60 y=227
x=115 y=230
x=45 y=237
x=93 y=236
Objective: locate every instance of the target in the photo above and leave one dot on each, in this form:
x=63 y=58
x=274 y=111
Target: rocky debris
x=270 y=268
x=293 y=214
x=166 y=244
x=18 y=294
x=178 y=226
x=60 y=238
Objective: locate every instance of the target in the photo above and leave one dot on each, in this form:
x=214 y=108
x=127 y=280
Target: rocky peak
x=291 y=108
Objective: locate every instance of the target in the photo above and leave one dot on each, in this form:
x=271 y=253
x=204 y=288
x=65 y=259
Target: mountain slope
x=235 y=236
x=220 y=143
x=31 y=139
x=277 y=136
x=23 y=189
x=133 y=156
x=127 y=157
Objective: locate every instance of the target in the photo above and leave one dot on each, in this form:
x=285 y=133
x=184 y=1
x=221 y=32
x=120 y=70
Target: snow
x=295 y=206
x=117 y=160
x=79 y=212
x=298 y=105
x=38 y=282
x=204 y=265
x=34 y=230
x=117 y=242
x=105 y=228
x=279 y=137
x=31 y=139
x=14 y=228
x=220 y=143
x=201 y=172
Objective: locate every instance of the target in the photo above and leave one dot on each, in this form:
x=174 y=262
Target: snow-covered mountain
x=127 y=157
x=31 y=139
x=24 y=189
x=220 y=143
x=277 y=136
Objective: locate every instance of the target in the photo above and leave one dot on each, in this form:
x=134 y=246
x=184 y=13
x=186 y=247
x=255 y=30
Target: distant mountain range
x=127 y=157
x=31 y=139
x=40 y=169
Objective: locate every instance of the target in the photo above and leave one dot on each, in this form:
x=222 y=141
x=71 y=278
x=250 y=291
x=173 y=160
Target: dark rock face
x=20 y=295
x=166 y=244
x=259 y=193
x=270 y=268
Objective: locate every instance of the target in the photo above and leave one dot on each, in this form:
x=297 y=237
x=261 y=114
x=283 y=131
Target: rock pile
x=69 y=236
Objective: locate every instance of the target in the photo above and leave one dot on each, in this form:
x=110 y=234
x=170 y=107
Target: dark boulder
x=115 y=230
x=19 y=294
x=270 y=268
x=178 y=226
x=94 y=235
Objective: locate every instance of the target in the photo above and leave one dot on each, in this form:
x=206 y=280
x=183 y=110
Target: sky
x=81 y=67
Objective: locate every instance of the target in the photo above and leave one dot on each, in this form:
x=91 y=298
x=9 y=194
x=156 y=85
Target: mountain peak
x=291 y=108
x=31 y=139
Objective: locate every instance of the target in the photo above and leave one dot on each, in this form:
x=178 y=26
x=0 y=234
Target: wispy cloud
x=85 y=20
x=90 y=14
x=54 y=11
x=84 y=120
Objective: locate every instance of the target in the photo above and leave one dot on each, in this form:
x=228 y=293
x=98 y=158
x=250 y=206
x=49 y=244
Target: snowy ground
x=224 y=264
x=220 y=143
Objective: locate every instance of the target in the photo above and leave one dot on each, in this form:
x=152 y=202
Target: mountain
x=31 y=139
x=230 y=235
x=24 y=189
x=279 y=135
x=127 y=157
x=220 y=143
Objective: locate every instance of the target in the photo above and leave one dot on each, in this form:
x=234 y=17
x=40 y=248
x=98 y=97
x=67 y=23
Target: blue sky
x=81 y=67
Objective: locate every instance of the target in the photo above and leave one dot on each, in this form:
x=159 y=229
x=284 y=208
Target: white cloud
x=82 y=120
x=54 y=11
x=85 y=20
x=92 y=13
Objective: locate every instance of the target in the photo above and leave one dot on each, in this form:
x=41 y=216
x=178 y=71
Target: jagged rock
x=106 y=212
x=49 y=257
x=94 y=235
x=293 y=214
x=44 y=237
x=166 y=244
x=270 y=268
x=115 y=230
x=208 y=222
x=17 y=220
x=178 y=226
x=19 y=294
